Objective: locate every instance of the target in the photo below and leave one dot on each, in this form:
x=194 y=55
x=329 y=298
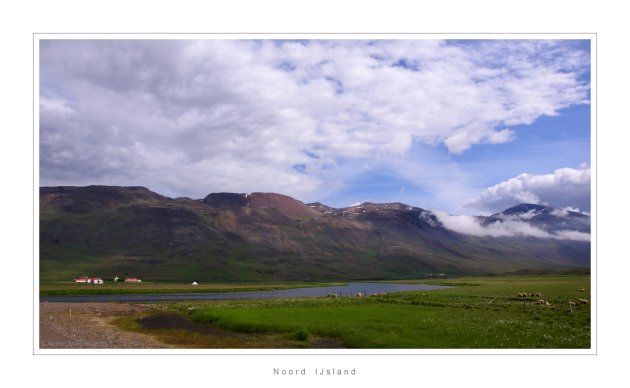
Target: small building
x=95 y=280
x=133 y=280
x=81 y=279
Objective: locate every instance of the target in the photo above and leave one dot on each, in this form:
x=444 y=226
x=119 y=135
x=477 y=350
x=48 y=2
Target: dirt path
x=87 y=326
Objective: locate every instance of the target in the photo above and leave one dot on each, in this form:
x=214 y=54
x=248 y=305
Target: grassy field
x=481 y=312
x=72 y=288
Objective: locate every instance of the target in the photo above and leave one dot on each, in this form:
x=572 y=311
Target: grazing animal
x=359 y=295
x=583 y=301
x=333 y=295
x=538 y=295
x=540 y=302
x=547 y=303
x=572 y=303
x=582 y=289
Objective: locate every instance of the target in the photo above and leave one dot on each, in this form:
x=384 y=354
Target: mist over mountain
x=108 y=231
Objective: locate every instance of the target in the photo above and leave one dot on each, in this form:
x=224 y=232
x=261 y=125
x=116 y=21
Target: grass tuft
x=302 y=335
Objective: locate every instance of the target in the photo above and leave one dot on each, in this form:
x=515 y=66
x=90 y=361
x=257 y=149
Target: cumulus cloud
x=511 y=227
x=188 y=117
x=563 y=188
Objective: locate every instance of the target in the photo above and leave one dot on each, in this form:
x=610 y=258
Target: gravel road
x=87 y=326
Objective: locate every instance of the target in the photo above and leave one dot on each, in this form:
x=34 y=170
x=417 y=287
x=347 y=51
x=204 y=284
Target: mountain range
x=109 y=230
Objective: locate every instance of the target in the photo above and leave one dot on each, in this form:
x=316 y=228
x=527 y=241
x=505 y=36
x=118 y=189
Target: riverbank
x=516 y=312
x=351 y=289
x=478 y=313
x=123 y=288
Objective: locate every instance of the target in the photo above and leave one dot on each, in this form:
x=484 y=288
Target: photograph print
x=321 y=193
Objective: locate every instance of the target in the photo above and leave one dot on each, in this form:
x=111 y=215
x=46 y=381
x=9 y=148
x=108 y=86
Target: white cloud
x=572 y=235
x=190 y=117
x=470 y=225
x=512 y=227
x=565 y=187
x=564 y=212
x=502 y=136
x=426 y=217
x=560 y=212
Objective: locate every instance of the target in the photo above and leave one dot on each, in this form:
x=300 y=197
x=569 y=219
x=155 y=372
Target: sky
x=459 y=126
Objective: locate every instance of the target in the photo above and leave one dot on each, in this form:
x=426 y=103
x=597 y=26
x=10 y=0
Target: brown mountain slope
x=112 y=231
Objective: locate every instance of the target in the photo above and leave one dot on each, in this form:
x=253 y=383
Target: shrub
x=301 y=335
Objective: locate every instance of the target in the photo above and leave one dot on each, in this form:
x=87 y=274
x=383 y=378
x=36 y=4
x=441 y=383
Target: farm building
x=95 y=280
x=133 y=280
x=81 y=279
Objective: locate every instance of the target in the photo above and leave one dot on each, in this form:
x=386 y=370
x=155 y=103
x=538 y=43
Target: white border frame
x=314 y=36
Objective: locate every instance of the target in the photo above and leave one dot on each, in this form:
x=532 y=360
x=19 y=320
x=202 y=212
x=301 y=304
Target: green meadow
x=110 y=287
x=478 y=313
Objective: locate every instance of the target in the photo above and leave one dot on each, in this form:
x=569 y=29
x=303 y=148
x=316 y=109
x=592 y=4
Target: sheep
x=582 y=290
x=540 y=301
x=571 y=303
x=547 y=303
x=359 y=295
x=583 y=301
x=332 y=295
x=538 y=295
